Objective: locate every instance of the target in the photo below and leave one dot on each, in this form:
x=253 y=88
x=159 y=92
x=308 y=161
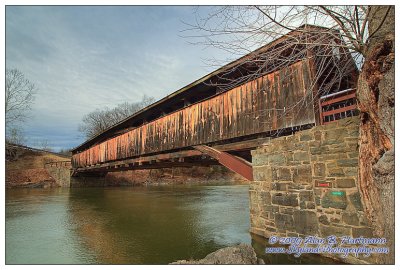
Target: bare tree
x=291 y=36
x=65 y=152
x=241 y=29
x=19 y=97
x=20 y=94
x=364 y=32
x=97 y=121
x=15 y=136
x=43 y=144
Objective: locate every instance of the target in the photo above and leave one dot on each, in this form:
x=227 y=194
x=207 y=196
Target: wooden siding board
x=248 y=109
x=256 y=95
x=263 y=103
x=210 y=120
x=239 y=111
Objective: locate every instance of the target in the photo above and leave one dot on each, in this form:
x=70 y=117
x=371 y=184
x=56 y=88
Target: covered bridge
x=282 y=87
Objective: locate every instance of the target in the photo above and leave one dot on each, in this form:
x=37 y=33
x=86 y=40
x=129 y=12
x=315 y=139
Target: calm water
x=146 y=225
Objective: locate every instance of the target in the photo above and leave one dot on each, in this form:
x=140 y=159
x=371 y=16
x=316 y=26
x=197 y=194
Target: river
x=129 y=225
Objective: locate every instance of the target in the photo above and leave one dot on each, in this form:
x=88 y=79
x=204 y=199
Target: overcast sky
x=83 y=58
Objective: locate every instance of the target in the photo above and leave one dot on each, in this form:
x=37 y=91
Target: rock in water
x=240 y=254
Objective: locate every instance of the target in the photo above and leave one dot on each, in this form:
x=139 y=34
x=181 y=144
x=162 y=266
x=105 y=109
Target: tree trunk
x=376 y=102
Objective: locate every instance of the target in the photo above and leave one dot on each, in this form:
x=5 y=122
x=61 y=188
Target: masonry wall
x=63 y=178
x=306 y=184
x=87 y=181
x=60 y=174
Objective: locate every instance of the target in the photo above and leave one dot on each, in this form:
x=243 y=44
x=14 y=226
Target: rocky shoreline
x=240 y=254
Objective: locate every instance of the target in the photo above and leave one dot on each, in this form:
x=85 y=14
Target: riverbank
x=26 y=169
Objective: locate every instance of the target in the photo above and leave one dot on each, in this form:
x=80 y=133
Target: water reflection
x=38 y=229
x=158 y=225
x=154 y=225
x=140 y=225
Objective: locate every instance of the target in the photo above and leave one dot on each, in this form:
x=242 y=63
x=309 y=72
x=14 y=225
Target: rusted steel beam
x=234 y=163
x=242 y=145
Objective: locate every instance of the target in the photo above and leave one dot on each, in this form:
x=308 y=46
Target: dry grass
x=29 y=169
x=32 y=160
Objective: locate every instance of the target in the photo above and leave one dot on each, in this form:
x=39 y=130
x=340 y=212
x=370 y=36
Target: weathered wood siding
x=278 y=100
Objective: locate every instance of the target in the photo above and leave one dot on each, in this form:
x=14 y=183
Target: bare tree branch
x=337 y=42
x=20 y=94
x=97 y=121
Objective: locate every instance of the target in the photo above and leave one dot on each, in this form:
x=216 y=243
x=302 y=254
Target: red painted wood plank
x=336 y=100
x=340 y=110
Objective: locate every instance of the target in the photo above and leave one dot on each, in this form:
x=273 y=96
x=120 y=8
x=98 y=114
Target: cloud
x=83 y=58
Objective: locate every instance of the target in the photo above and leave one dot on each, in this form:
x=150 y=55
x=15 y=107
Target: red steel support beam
x=234 y=163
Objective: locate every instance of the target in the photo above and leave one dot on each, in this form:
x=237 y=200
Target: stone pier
x=307 y=184
x=61 y=174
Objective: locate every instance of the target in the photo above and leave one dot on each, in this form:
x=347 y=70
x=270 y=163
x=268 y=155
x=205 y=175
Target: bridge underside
x=237 y=154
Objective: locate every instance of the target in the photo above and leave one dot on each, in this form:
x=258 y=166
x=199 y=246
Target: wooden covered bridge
x=219 y=118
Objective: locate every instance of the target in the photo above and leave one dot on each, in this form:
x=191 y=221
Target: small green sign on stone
x=337 y=193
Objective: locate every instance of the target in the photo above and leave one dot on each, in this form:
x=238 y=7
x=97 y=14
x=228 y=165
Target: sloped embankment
x=27 y=169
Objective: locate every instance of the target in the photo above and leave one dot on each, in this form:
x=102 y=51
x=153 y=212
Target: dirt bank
x=26 y=169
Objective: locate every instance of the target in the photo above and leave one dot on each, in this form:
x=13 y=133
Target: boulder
x=240 y=254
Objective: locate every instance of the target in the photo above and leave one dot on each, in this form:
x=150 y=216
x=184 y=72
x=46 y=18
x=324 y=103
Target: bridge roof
x=190 y=88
